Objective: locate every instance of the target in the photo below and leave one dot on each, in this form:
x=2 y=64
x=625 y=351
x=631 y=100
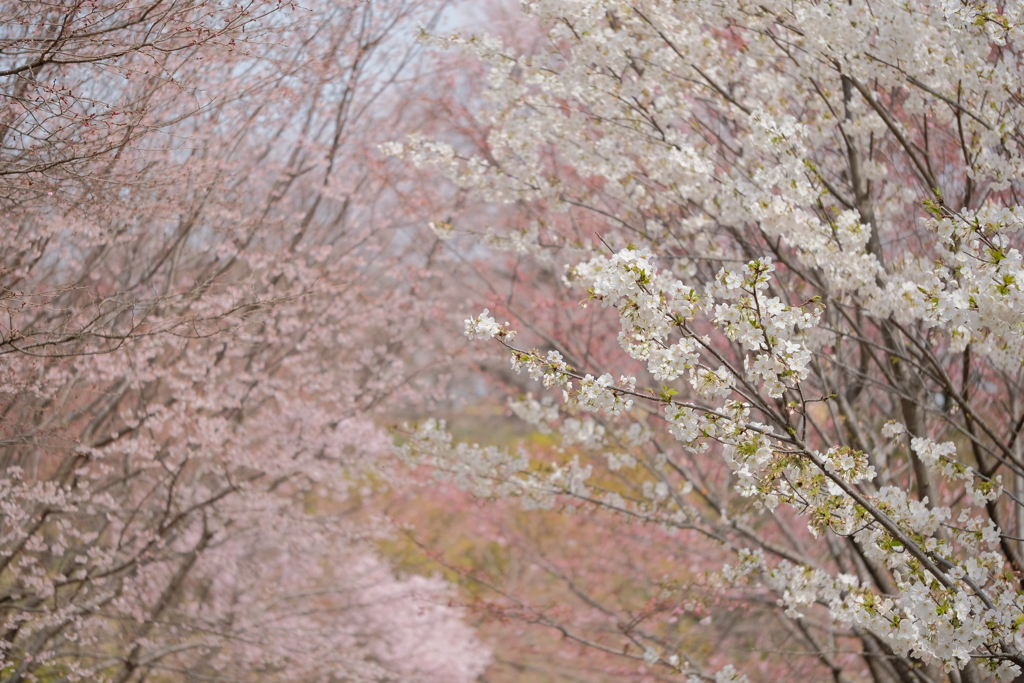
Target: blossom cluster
x=823 y=271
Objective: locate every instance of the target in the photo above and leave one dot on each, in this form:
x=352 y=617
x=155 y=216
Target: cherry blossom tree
x=799 y=224
x=83 y=80
x=206 y=284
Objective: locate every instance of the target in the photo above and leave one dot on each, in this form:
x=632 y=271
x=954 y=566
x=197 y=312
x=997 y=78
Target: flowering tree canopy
x=805 y=221
x=195 y=230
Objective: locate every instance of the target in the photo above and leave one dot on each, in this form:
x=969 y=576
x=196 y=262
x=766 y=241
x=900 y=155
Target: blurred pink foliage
x=207 y=292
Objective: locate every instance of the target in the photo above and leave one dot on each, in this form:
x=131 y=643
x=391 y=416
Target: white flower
x=930 y=452
x=892 y=429
x=482 y=327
